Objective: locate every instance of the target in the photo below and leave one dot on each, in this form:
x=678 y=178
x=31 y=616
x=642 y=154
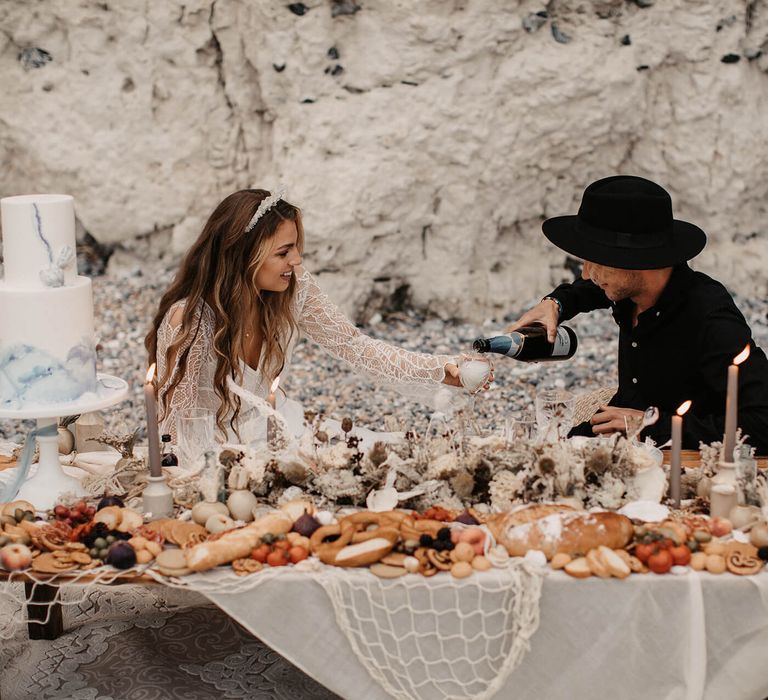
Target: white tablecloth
x=662 y=637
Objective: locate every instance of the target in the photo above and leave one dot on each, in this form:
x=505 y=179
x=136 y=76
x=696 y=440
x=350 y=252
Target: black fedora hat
x=626 y=221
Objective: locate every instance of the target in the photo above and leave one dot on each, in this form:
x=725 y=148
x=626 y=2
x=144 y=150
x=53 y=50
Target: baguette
x=570 y=533
x=236 y=544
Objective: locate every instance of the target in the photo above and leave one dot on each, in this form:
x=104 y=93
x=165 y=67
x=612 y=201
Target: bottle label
x=562 y=344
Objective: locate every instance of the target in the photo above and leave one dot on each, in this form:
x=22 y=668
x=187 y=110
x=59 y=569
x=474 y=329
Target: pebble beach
x=126 y=297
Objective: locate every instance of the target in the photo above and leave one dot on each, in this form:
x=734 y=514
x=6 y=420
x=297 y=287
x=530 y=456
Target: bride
x=226 y=326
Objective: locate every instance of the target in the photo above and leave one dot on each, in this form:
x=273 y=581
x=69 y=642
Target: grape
x=94 y=552
x=110 y=539
x=100 y=543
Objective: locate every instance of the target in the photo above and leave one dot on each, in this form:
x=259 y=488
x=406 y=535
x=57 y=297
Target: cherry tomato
x=261 y=553
x=681 y=555
x=297 y=554
x=643 y=551
x=660 y=561
x=278 y=557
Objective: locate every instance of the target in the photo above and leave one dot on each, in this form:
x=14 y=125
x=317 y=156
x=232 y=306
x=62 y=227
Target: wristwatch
x=559 y=306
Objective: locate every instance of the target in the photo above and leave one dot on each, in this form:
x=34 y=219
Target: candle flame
x=275 y=384
x=743 y=355
x=150 y=374
x=683 y=408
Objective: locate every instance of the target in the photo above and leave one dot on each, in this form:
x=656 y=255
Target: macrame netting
x=437 y=639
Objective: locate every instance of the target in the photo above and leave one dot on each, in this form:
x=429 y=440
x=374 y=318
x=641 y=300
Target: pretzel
x=327 y=551
x=742 y=559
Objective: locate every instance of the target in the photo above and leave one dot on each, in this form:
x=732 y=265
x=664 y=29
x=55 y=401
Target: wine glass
x=475 y=371
x=194 y=435
x=555 y=410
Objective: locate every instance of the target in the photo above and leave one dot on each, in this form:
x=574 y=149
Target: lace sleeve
x=195 y=390
x=381 y=362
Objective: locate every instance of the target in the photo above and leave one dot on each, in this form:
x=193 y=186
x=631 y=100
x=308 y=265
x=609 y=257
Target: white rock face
x=424 y=156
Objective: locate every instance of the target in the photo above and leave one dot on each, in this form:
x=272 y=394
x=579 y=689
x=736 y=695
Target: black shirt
x=680 y=349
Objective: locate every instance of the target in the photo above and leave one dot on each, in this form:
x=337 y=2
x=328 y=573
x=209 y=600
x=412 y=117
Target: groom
x=678 y=329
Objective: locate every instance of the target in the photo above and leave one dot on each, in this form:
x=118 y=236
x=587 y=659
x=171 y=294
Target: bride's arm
x=195 y=389
x=322 y=321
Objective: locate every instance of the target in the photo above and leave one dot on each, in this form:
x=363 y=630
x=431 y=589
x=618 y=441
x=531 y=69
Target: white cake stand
x=43 y=489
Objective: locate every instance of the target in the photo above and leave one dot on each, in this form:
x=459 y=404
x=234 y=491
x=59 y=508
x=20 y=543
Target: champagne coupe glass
x=475 y=371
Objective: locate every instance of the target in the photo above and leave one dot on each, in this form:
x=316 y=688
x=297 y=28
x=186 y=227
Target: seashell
x=535 y=557
x=241 y=504
x=219 y=523
x=498 y=556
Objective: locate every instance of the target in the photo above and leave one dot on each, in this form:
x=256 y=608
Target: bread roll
x=236 y=544
x=571 y=533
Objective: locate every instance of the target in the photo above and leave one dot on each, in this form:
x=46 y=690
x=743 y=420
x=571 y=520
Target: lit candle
x=674 y=465
x=732 y=405
x=271 y=399
x=150 y=402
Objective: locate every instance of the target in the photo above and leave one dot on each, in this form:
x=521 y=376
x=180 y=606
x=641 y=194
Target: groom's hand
x=610 y=419
x=546 y=312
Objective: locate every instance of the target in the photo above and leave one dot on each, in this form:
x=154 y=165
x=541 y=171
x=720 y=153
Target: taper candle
x=153 y=436
x=674 y=465
x=732 y=405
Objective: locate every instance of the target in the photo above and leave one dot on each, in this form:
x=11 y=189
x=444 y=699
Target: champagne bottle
x=530 y=344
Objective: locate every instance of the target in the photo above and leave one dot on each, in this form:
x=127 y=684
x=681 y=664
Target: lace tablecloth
x=693 y=636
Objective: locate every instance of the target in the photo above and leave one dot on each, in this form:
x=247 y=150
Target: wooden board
x=692 y=458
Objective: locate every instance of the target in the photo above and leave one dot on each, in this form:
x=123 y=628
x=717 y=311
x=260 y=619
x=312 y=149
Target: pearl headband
x=265 y=205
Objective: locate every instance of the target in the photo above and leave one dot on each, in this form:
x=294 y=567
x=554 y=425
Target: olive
x=100 y=543
x=94 y=552
x=110 y=539
x=103 y=553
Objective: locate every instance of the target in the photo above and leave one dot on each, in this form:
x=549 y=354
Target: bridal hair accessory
x=266 y=204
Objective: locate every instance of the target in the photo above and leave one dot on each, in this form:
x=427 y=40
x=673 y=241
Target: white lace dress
x=411 y=373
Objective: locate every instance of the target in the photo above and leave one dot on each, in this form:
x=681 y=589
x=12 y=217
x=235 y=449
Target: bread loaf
x=236 y=544
x=571 y=533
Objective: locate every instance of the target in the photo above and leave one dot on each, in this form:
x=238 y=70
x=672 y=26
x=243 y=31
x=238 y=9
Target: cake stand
x=43 y=489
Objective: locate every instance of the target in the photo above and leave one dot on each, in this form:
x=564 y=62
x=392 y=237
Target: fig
x=107 y=501
x=121 y=555
x=466 y=518
x=306 y=525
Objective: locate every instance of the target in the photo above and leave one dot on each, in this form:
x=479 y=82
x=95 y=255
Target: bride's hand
x=452 y=377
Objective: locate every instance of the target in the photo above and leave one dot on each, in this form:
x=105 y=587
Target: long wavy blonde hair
x=220 y=270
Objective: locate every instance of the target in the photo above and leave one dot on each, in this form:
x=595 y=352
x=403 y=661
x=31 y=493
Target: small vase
x=157 y=498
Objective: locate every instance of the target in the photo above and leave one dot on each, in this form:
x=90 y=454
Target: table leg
x=43 y=611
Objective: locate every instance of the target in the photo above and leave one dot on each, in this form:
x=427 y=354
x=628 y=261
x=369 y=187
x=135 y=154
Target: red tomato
x=261 y=553
x=277 y=558
x=643 y=551
x=297 y=554
x=681 y=555
x=282 y=544
x=660 y=561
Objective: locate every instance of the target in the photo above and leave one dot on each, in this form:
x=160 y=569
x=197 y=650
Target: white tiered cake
x=47 y=348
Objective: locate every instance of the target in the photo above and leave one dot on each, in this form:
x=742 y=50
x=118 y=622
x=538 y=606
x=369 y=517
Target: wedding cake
x=47 y=348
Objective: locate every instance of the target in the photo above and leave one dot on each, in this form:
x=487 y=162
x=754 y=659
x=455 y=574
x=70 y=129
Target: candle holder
x=157 y=499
